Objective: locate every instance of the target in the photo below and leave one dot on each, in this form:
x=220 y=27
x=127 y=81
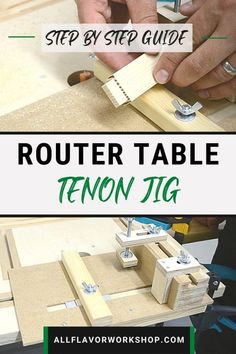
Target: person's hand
x=117 y=11
x=203 y=68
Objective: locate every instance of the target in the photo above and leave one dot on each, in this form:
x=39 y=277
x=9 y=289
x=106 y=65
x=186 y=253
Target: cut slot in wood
x=187 y=289
x=168 y=249
x=67 y=305
x=166 y=270
x=158 y=251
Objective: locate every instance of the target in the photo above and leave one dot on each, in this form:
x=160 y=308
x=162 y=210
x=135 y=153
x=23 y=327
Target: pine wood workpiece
x=93 y=303
x=139 y=237
x=127 y=262
x=166 y=270
x=187 y=289
x=127 y=84
x=156 y=104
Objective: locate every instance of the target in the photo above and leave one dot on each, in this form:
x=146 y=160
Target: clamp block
x=127 y=261
x=140 y=237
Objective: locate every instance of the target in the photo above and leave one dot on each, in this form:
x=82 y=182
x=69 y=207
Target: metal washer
x=185 y=118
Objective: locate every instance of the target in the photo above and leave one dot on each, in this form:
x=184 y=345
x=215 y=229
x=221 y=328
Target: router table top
x=83 y=107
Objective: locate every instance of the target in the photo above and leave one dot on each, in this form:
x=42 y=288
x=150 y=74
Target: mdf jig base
x=126 y=292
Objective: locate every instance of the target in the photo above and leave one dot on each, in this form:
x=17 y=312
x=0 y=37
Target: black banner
x=119 y=340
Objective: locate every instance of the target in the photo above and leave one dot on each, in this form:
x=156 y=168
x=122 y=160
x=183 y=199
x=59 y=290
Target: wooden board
x=93 y=303
x=43 y=243
x=9 y=329
x=12 y=8
x=187 y=289
x=170 y=250
x=197 y=232
x=5 y=291
x=221 y=112
x=40 y=244
x=166 y=10
x=131 y=81
x=5 y=260
x=5 y=256
x=168 y=13
x=7 y=223
x=156 y=105
x=165 y=288
x=148 y=255
x=10 y=333
x=8 y=220
x=112 y=278
x=126 y=262
x=135 y=307
x=165 y=271
x=139 y=237
x=56 y=291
